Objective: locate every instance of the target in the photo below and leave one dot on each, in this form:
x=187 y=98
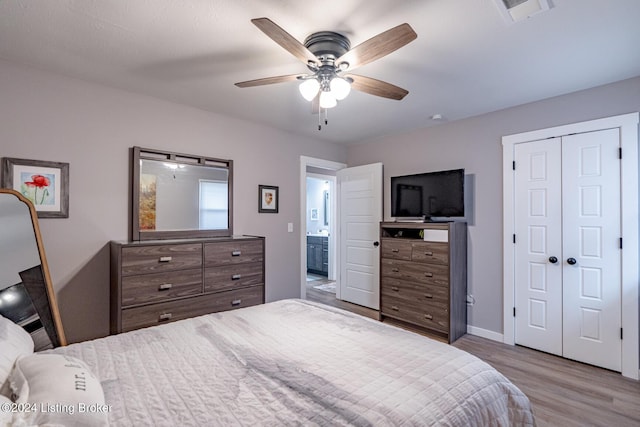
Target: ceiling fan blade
x=377 y=87
x=378 y=46
x=268 y=80
x=284 y=39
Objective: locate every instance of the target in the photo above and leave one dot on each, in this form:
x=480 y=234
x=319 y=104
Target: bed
x=290 y=362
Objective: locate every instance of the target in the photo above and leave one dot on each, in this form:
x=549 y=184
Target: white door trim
x=628 y=125
x=323 y=164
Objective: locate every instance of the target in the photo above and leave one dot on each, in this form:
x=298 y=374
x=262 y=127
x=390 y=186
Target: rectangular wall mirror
x=180 y=195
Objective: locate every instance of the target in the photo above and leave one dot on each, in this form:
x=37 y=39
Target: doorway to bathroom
x=354 y=210
x=320 y=235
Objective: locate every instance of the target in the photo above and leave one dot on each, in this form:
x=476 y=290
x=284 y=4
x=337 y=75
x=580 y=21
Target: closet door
x=591 y=248
x=538 y=254
x=567 y=257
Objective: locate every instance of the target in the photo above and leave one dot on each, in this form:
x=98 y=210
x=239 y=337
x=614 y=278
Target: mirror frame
x=139 y=154
x=51 y=295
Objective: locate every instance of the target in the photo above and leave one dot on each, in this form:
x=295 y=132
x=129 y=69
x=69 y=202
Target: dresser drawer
x=225 y=253
x=437 y=253
x=159 y=258
x=411 y=291
x=396 y=249
x=431 y=274
x=232 y=276
x=238 y=298
x=156 y=314
x=428 y=315
x=158 y=287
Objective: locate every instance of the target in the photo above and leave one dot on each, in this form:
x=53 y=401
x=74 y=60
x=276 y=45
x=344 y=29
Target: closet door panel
x=591 y=236
x=538 y=203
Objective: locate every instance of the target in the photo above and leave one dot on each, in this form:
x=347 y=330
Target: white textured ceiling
x=466 y=60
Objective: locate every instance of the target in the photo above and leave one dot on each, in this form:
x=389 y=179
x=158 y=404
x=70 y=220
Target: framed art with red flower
x=45 y=184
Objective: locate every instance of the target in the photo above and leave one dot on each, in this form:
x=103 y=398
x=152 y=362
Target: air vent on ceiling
x=517 y=10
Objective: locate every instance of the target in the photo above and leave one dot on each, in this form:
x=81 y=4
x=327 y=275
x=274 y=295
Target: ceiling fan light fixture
x=309 y=89
x=327 y=100
x=340 y=88
x=328 y=54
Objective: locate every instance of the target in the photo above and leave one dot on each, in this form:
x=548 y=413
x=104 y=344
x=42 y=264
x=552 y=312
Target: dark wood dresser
x=423 y=276
x=158 y=281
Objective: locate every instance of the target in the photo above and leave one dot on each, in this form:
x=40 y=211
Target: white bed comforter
x=294 y=362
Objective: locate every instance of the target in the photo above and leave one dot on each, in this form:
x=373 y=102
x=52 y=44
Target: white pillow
x=63 y=388
x=14 y=342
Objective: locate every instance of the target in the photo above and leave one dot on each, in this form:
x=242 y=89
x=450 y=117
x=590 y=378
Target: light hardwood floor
x=563 y=393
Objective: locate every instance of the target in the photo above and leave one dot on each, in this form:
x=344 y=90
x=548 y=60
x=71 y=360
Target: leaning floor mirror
x=26 y=292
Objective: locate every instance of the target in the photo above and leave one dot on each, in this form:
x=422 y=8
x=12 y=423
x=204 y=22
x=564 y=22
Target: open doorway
x=353 y=243
x=319 y=229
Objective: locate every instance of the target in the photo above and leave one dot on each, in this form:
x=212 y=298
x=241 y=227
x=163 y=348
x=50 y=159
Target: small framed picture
x=45 y=184
x=267 y=199
x=314 y=214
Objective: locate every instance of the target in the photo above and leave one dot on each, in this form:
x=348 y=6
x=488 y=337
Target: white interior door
x=538 y=209
x=360 y=213
x=592 y=261
x=567 y=256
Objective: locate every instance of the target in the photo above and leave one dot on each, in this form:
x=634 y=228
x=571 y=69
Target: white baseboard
x=485 y=333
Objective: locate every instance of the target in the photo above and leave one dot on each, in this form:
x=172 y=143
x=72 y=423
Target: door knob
x=553 y=259
x=376 y=244
x=571 y=261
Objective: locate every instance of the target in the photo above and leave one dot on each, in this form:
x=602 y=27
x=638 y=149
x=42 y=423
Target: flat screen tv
x=427 y=195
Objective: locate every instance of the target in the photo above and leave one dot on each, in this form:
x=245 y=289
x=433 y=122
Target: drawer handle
x=395 y=308
x=165 y=259
x=428 y=274
x=236 y=302
x=395 y=270
x=428 y=253
x=428 y=296
x=165 y=316
x=236 y=253
x=165 y=286
x=395 y=288
x=395 y=250
x=428 y=317
x=236 y=277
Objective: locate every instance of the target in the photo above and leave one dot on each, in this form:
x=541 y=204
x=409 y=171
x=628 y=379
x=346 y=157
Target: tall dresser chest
x=423 y=276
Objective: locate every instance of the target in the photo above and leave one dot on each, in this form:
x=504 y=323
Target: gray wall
x=48 y=117
x=475 y=144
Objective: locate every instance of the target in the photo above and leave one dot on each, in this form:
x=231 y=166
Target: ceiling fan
x=330 y=60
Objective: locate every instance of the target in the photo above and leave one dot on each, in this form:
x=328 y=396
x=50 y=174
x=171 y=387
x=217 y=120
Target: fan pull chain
x=326 y=118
